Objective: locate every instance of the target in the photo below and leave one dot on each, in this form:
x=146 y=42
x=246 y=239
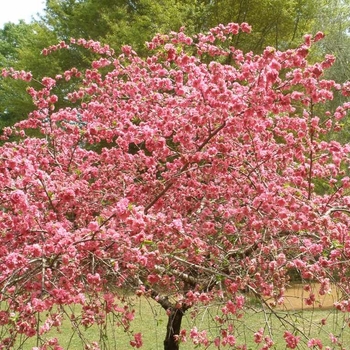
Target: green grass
x=151 y=322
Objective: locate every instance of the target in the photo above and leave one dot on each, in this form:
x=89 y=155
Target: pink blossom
x=122 y=208
x=93 y=226
x=312 y=343
x=291 y=340
x=53 y=99
x=19 y=199
x=137 y=341
x=318 y=36
x=334 y=339
x=153 y=278
x=199 y=337
x=259 y=336
x=246 y=28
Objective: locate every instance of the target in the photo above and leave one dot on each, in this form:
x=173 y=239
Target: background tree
x=336 y=42
x=20 y=48
x=275 y=23
x=120 y=22
x=208 y=188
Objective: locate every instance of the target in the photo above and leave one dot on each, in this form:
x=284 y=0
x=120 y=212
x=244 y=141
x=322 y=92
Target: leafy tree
x=208 y=188
x=10 y=37
x=120 y=22
x=20 y=47
x=336 y=42
x=277 y=23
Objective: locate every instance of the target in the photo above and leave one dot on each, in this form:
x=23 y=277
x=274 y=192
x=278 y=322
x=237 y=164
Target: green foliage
x=337 y=43
x=121 y=22
x=277 y=23
x=20 y=47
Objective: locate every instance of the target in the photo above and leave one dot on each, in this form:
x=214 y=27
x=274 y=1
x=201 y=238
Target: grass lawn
x=151 y=322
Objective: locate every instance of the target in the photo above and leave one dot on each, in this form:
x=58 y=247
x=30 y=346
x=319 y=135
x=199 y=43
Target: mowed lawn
x=151 y=321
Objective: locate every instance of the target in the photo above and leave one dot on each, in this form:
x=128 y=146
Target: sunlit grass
x=151 y=321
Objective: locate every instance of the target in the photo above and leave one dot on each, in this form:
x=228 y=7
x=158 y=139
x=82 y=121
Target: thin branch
x=337 y=209
x=311 y=158
x=281 y=319
x=202 y=268
x=48 y=195
x=184 y=276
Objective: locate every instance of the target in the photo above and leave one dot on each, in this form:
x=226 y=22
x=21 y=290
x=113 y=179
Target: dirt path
x=295 y=297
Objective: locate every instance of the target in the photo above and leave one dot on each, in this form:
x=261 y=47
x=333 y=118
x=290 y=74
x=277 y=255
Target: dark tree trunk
x=175 y=315
x=173 y=329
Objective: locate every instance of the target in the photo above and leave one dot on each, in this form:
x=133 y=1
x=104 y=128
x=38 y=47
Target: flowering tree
x=180 y=178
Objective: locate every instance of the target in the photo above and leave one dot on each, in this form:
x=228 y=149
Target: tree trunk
x=173 y=329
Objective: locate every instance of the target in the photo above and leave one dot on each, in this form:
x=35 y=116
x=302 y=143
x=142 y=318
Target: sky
x=14 y=10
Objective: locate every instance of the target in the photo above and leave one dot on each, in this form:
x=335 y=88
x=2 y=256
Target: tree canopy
x=210 y=185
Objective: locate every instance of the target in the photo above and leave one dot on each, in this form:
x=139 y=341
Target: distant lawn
x=151 y=322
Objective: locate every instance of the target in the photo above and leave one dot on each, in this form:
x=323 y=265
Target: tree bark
x=173 y=329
